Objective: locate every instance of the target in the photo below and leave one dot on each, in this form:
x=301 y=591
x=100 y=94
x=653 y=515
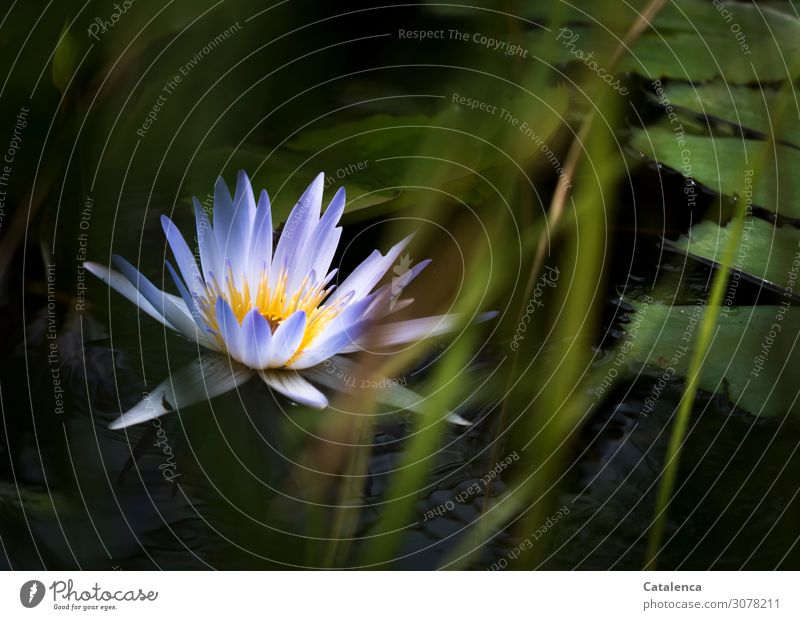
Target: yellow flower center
x=274 y=304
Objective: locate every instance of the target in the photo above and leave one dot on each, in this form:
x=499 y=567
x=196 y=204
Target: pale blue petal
x=341 y=332
x=193 y=311
x=287 y=339
x=297 y=230
x=207 y=242
x=229 y=328
x=324 y=250
x=334 y=211
x=322 y=245
x=123 y=286
x=260 y=257
x=368 y=274
x=244 y=200
x=180 y=319
x=257 y=340
x=390 y=392
x=223 y=214
x=295 y=387
x=387 y=298
x=205 y=378
x=183 y=256
x=329 y=347
x=403 y=332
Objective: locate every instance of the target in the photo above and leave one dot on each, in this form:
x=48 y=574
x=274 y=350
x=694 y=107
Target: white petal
x=339 y=334
x=387 y=298
x=183 y=256
x=260 y=253
x=232 y=231
x=403 y=332
x=294 y=386
x=321 y=247
x=299 y=225
x=244 y=200
x=256 y=338
x=364 y=277
x=175 y=312
x=393 y=395
x=205 y=378
x=229 y=328
x=287 y=339
x=123 y=286
x=206 y=242
x=193 y=310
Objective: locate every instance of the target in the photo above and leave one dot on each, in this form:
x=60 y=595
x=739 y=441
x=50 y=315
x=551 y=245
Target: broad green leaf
x=284 y=175
x=674 y=55
x=65 y=58
x=766 y=252
x=689 y=39
x=750 y=108
x=37 y=503
x=386 y=160
x=726 y=165
x=707 y=17
x=751 y=359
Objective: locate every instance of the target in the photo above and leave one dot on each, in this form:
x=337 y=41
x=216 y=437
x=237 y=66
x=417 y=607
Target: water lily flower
x=271 y=312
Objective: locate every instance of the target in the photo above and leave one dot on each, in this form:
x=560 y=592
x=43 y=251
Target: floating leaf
x=726 y=165
x=751 y=357
x=689 y=40
x=766 y=253
x=742 y=106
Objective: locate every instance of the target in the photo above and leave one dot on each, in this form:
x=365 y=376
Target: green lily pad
x=726 y=165
x=750 y=108
x=766 y=253
x=384 y=160
x=751 y=358
x=688 y=40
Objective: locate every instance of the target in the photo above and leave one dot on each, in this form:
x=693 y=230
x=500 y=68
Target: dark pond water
x=158 y=502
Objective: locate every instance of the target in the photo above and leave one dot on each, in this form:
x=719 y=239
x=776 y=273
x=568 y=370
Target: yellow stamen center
x=273 y=303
